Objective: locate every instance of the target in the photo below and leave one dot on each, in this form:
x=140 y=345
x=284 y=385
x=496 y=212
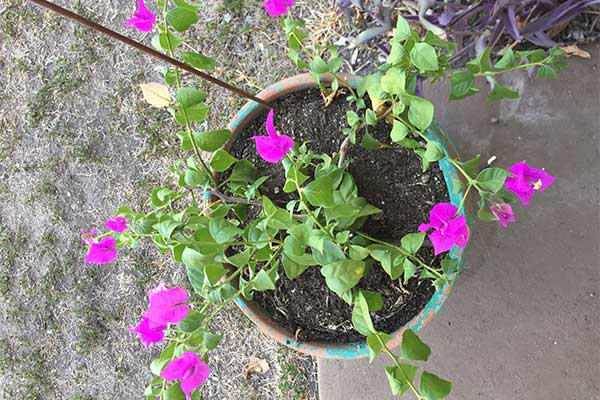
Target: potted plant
x=336 y=220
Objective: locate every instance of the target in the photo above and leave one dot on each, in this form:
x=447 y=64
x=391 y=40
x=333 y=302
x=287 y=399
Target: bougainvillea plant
x=202 y=220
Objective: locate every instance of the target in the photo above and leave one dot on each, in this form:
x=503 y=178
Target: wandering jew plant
x=203 y=220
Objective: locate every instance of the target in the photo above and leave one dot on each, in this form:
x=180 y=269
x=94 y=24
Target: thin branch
x=345 y=146
x=149 y=51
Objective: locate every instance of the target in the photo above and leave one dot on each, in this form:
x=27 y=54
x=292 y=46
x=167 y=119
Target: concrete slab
x=523 y=321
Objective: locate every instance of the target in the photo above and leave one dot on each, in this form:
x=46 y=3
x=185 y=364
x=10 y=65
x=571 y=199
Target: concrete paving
x=523 y=321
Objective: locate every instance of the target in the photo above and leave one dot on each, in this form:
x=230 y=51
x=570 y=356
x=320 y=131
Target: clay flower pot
x=357 y=349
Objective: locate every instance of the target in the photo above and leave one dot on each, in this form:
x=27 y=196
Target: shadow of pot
x=356 y=349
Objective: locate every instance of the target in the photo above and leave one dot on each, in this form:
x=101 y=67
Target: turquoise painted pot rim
x=356 y=349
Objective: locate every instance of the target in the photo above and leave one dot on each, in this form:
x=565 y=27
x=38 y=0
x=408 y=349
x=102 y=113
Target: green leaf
x=409 y=270
x=358 y=252
x=492 y=179
x=214 y=272
x=502 y=92
x=198 y=60
x=403 y=31
x=424 y=57
x=265 y=280
x=412 y=242
x=481 y=63
x=472 y=167
x=433 y=387
x=413 y=348
x=394 y=81
x=189 y=97
x=397 y=53
x=181 y=18
x=196 y=113
x=169 y=40
x=174 y=392
x=212 y=140
x=222 y=160
x=320 y=192
x=420 y=113
x=223 y=231
x=375 y=344
x=546 y=71
x=318 y=66
x=433 y=152
x=399 y=131
x=400 y=378
x=507 y=60
x=462 y=85
x=193 y=320
x=370 y=143
x=352 y=117
x=331 y=252
x=374 y=300
x=361 y=319
x=292 y=269
x=206 y=339
x=343 y=275
x=370 y=117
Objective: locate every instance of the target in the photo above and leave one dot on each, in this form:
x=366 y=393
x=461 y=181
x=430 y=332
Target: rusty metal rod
x=124 y=39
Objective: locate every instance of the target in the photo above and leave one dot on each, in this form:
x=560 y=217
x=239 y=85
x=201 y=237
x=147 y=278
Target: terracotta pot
x=357 y=349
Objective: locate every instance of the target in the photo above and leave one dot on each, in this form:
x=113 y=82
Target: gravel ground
x=77 y=141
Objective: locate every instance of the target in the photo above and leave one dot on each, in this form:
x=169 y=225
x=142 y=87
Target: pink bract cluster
x=104 y=250
x=169 y=306
x=143 y=19
x=276 y=8
x=274 y=147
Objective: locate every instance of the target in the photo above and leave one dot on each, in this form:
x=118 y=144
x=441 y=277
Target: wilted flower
x=143 y=19
x=503 y=213
x=117 y=224
x=101 y=252
x=526 y=181
x=272 y=148
x=275 y=8
x=149 y=332
x=447 y=230
x=192 y=371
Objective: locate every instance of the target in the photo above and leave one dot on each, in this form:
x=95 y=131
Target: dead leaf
x=329 y=95
x=573 y=50
x=379 y=106
x=255 y=366
x=156 y=94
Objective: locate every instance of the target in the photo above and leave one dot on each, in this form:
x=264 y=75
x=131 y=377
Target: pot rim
x=359 y=349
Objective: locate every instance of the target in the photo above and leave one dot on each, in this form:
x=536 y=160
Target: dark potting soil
x=390 y=179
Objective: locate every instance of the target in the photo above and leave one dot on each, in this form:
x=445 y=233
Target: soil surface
x=390 y=179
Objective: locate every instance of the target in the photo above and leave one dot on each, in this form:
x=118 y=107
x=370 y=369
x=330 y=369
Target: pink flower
x=117 y=224
x=447 y=230
x=275 y=8
x=272 y=148
x=192 y=371
x=143 y=19
x=503 y=213
x=149 y=332
x=102 y=252
x=167 y=306
x=526 y=180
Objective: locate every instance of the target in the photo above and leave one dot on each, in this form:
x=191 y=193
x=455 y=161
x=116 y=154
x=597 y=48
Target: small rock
x=494 y=120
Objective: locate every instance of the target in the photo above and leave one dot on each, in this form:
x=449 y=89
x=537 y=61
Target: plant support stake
x=124 y=39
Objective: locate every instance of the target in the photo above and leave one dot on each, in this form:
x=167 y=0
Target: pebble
x=494 y=120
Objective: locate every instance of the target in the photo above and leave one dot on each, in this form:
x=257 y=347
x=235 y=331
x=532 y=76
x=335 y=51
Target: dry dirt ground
x=77 y=141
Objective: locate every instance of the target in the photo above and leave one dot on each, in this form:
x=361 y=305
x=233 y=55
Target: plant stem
x=462 y=202
x=344 y=82
x=188 y=125
x=305 y=204
x=518 y=67
x=393 y=357
x=404 y=253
